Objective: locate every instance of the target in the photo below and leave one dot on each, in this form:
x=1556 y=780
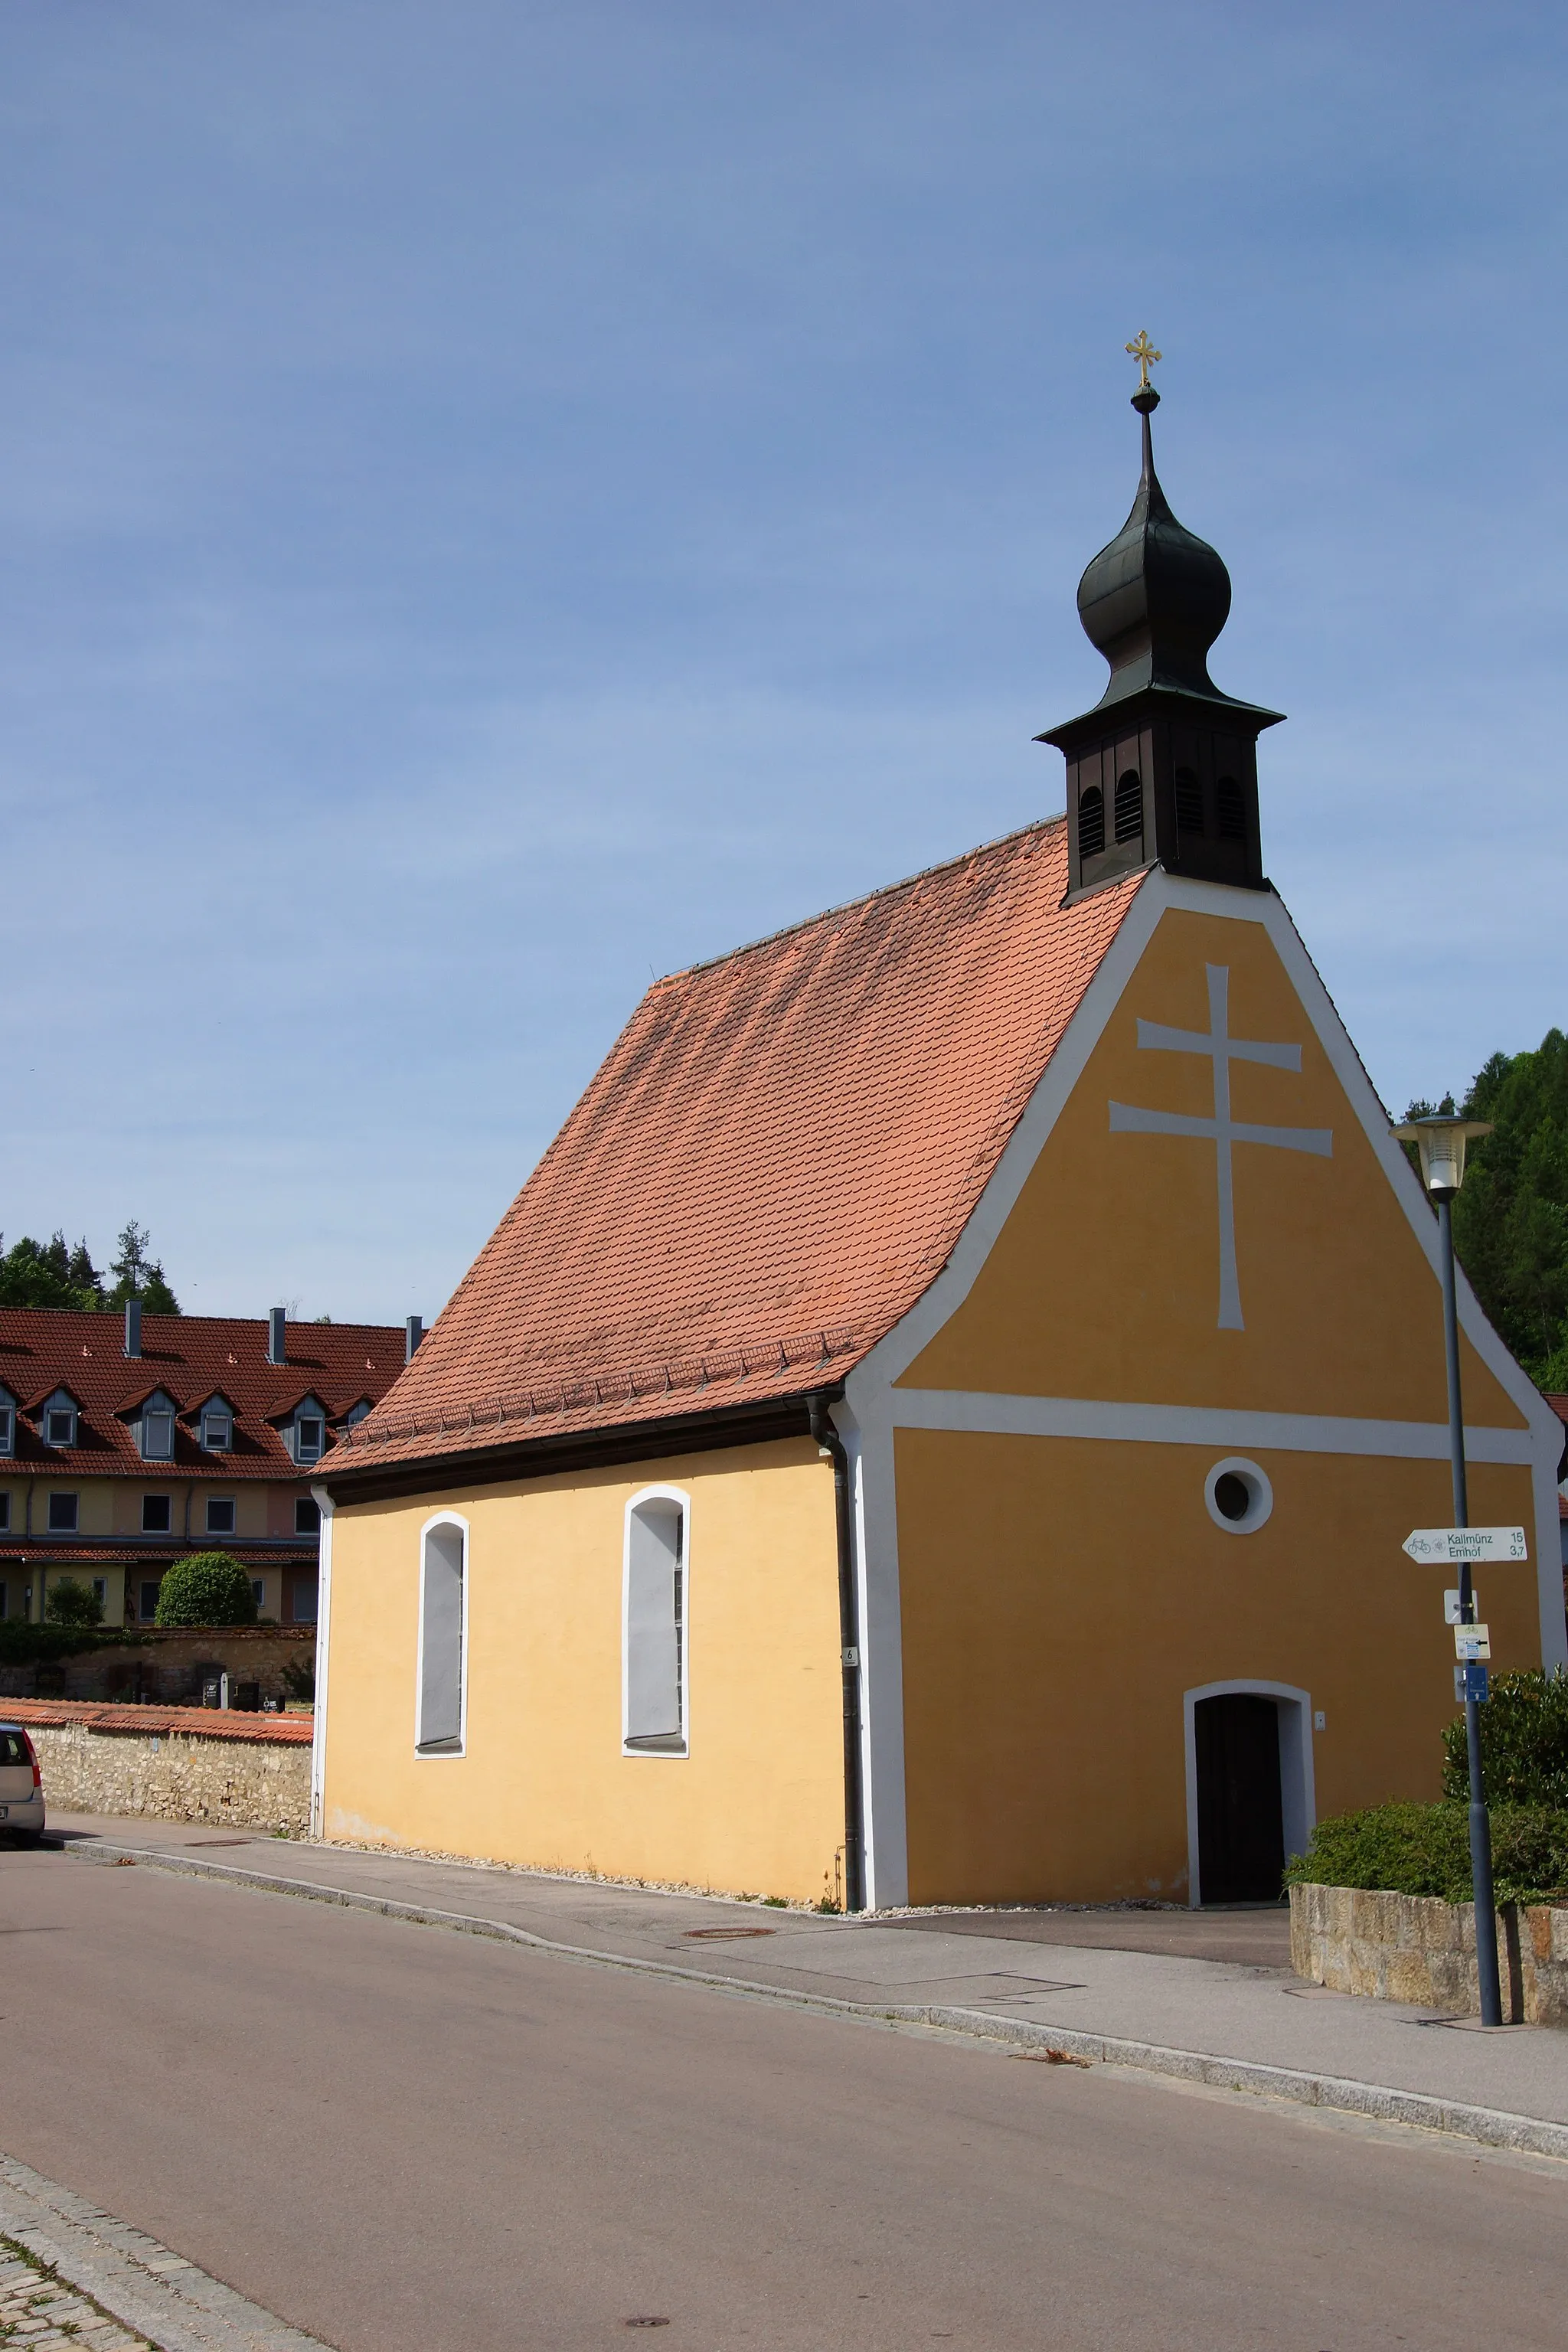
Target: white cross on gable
x=1221 y=1131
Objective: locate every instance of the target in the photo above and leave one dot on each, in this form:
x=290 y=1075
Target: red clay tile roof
x=197 y=1722
x=65 y=1553
x=772 y=1165
x=192 y=1357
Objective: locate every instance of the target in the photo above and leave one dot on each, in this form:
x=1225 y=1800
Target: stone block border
x=1419 y=1949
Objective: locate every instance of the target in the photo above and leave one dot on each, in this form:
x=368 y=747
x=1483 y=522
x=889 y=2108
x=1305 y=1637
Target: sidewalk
x=1242 y=2023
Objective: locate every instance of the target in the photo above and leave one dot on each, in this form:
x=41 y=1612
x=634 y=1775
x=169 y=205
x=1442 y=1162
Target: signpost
x=1453 y=1546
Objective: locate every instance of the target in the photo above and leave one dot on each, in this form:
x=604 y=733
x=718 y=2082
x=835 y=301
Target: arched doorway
x=1249 y=1788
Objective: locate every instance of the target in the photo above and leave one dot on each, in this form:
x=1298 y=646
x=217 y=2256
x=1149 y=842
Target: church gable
x=1208 y=1222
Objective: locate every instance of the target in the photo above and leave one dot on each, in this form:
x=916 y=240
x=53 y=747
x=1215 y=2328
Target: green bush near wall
x=208 y=1587
x=1524 y=1742
x=25 y=1645
x=1426 y=1849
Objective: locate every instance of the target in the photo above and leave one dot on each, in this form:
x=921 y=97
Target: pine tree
x=138 y=1274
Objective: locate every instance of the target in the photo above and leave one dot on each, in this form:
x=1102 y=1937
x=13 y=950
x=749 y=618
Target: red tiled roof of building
x=772 y=1165
x=196 y=1722
x=191 y=1358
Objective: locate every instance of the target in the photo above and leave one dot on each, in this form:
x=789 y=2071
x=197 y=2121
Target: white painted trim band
x=985 y=1413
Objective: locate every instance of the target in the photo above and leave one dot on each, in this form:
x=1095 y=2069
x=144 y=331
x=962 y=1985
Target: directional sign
x=1450 y=1546
x=1472 y=1641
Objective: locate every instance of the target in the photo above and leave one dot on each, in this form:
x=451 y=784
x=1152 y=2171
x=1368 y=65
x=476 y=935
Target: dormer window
x=7 y=1421
x=356 y=1414
x=59 y=1420
x=310 y=1436
x=157 y=1432
x=218 y=1427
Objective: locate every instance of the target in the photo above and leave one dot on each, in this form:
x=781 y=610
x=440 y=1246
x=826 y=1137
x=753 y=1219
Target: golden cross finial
x=1143 y=351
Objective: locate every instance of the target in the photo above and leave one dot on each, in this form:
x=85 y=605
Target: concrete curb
x=155 y=2293
x=1492 y=2127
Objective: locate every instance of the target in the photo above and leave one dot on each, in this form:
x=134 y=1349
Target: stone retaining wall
x=1420 y=1950
x=167 y=1664
x=173 y=1768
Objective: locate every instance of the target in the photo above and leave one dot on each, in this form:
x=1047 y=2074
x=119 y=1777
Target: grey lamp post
x=1441 y=1142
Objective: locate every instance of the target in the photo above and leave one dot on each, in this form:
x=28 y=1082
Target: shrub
x=71 y=1603
x=209 y=1588
x=1524 y=1742
x=1403 y=1849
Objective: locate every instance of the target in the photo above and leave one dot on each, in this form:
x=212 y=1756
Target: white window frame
x=233 y=1527
x=213 y=1414
x=154 y=1410
x=444 y=1755
x=318 y=1414
x=68 y=1405
x=672 y=1754
x=65 y=1495
x=7 y=1422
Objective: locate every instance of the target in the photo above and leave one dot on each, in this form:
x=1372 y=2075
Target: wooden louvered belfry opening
x=1090 y=822
x=1189 y=794
x=1129 y=806
x=1230 y=809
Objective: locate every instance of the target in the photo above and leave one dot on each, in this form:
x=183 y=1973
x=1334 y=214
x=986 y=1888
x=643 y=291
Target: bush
x=1426 y=1849
x=71 y=1603
x=209 y=1588
x=22 y=1644
x=1524 y=1743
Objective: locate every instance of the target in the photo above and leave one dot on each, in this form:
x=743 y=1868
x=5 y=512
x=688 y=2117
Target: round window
x=1238 y=1496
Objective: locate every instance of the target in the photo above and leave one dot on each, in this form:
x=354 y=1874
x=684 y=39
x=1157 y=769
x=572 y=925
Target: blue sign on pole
x=1472 y=1682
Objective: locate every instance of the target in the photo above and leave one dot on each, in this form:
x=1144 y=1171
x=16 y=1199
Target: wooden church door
x=1241 y=1833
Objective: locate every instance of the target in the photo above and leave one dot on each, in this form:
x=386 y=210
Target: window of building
x=7 y=1422
x=100 y=1590
x=1230 y=809
x=1091 y=823
x=5 y=1511
x=356 y=1414
x=147 y=1599
x=157 y=1515
x=309 y=1436
x=62 y=1515
x=307 y=1516
x=158 y=1431
x=443 y=1611
x=220 y=1515
x=5 y=1599
x=60 y=1421
x=217 y=1428
x=258 y=1588
x=655 y=1614
x=303 y=1597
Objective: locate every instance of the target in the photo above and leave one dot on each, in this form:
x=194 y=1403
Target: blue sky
x=499 y=499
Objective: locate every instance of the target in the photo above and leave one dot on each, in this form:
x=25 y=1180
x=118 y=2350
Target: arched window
x=1129 y=805
x=1189 y=803
x=654 y=1619
x=1090 y=822
x=443 y=1639
x=1230 y=809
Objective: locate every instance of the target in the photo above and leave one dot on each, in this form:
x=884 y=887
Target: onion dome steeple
x=1166 y=766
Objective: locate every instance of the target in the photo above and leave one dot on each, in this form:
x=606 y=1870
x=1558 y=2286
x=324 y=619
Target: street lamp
x=1441 y=1140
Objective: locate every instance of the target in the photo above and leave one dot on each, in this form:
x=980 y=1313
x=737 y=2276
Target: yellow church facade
x=1047 y=1589
x=941 y=1423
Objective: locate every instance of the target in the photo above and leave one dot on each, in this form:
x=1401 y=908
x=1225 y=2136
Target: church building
x=940 y=1423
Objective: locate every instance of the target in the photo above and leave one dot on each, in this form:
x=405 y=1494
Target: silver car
x=21 y=1786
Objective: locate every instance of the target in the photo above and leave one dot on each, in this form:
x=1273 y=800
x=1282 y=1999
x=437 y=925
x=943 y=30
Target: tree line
x=1511 y=1221
x=56 y=1274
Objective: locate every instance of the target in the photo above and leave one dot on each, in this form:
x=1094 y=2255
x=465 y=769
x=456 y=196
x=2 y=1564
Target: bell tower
x=1165 y=766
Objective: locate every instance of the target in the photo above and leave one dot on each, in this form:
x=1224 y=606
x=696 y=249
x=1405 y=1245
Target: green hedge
x=1524 y=1742
x=206 y=1589
x=22 y=1644
x=1426 y=1849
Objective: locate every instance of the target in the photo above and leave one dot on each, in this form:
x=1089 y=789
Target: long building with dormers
x=125 y=1442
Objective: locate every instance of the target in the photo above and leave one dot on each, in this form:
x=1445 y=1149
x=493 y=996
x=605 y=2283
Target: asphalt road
x=406 y=2141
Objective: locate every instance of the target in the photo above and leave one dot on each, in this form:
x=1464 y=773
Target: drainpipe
x=830 y=1445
